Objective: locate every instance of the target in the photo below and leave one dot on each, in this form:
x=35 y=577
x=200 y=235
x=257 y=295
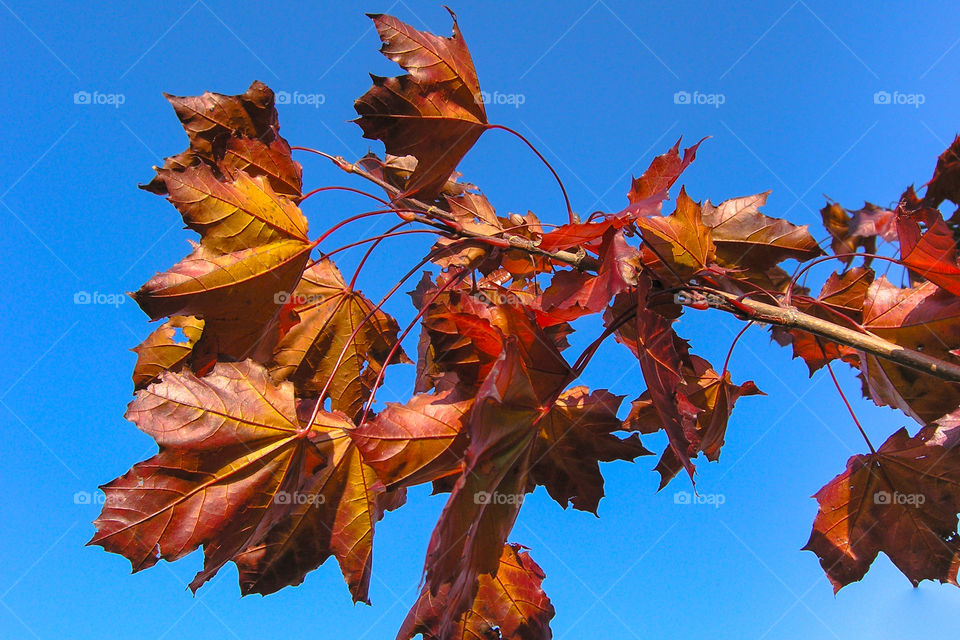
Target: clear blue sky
x=598 y=81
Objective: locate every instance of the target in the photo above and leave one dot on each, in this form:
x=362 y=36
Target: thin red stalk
x=726 y=362
x=849 y=408
x=570 y=215
x=347 y=221
x=591 y=349
x=350 y=189
x=375 y=238
x=363 y=260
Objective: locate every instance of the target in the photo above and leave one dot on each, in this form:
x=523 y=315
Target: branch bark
x=792 y=318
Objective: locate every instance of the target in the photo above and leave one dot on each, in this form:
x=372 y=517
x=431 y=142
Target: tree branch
x=792 y=318
x=784 y=316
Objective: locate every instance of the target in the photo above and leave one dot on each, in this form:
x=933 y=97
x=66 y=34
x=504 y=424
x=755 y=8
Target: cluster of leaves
x=259 y=386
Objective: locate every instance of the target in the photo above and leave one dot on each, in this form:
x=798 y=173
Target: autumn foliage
x=259 y=386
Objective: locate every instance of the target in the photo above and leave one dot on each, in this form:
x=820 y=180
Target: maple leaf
x=651 y=338
x=234 y=293
x=931 y=254
x=396 y=171
x=161 y=351
x=653 y=186
x=419 y=441
x=230 y=216
x=871 y=221
x=333 y=513
x=575 y=436
x=712 y=396
x=474 y=213
x=340 y=338
x=520 y=388
x=578 y=233
x=231 y=133
x=945 y=183
x=231 y=448
x=646 y=197
x=746 y=238
x=922 y=318
x=902 y=500
x=271 y=160
x=849 y=233
x=434 y=113
x=509 y=604
x=681 y=238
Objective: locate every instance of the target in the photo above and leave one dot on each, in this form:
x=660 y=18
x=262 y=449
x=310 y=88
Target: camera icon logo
x=881 y=97
x=681 y=97
x=81 y=297
x=882 y=497
x=681 y=497
x=283 y=97
x=81 y=97
x=81 y=497
x=481 y=497
x=281 y=297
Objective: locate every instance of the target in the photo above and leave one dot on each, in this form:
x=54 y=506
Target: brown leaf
x=333 y=513
x=520 y=388
x=434 y=113
x=930 y=254
x=713 y=398
x=747 y=238
x=335 y=340
x=902 y=501
x=231 y=133
x=650 y=336
x=272 y=161
x=235 y=293
x=945 y=183
x=575 y=436
x=921 y=318
x=510 y=605
x=656 y=181
x=230 y=443
x=583 y=293
x=210 y=118
x=161 y=351
x=680 y=238
x=417 y=442
x=236 y=215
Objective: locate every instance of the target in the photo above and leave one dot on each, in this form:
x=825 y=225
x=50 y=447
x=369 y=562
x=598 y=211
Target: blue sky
x=799 y=113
